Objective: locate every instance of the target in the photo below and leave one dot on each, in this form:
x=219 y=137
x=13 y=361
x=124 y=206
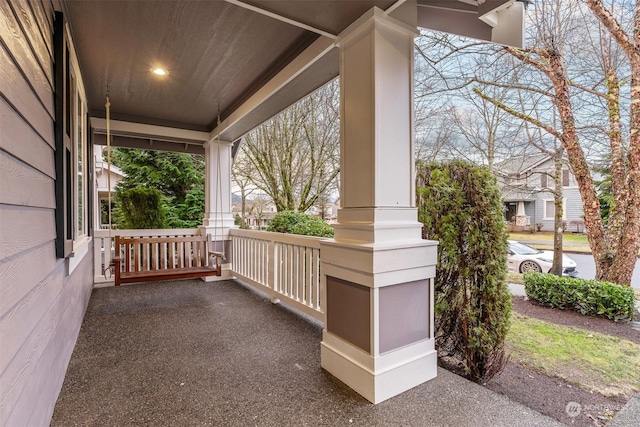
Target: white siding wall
x=41 y=305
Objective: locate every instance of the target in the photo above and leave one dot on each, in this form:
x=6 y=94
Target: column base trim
x=383 y=385
x=227 y=274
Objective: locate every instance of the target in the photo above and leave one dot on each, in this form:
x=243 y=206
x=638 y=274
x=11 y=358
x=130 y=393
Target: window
x=543 y=180
x=71 y=143
x=565 y=178
x=550 y=209
x=80 y=160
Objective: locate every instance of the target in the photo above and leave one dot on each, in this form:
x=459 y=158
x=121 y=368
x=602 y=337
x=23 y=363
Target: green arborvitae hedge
x=300 y=223
x=460 y=205
x=589 y=297
x=140 y=208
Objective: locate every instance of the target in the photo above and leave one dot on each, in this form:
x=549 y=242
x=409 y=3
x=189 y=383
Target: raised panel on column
x=404 y=314
x=349 y=312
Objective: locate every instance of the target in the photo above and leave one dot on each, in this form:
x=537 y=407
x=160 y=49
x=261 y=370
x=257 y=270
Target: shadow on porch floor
x=218 y=353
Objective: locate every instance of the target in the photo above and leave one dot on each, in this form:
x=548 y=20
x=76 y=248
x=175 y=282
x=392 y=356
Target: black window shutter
x=63 y=158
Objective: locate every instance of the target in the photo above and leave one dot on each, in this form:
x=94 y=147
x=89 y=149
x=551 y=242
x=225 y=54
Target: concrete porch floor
x=217 y=353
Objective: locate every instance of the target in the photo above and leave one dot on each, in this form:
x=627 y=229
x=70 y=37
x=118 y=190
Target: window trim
x=566 y=177
x=70 y=131
x=544 y=180
x=546 y=217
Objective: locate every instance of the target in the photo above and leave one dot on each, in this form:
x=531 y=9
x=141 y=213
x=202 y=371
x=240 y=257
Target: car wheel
x=530 y=266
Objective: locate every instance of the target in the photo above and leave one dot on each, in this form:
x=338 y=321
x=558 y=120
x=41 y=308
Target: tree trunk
x=621 y=263
x=556 y=267
x=591 y=206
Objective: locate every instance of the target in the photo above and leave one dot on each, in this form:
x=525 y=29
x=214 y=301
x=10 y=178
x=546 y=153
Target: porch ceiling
x=217 y=53
x=221 y=56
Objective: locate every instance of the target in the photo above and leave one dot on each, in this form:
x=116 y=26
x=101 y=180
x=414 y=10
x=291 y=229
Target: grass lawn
x=544 y=241
x=592 y=361
x=548 y=237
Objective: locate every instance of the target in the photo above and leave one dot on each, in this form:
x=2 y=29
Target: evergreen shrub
x=589 y=297
x=299 y=223
x=140 y=208
x=460 y=205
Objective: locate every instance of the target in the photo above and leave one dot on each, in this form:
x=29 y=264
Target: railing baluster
x=308 y=277
x=288 y=266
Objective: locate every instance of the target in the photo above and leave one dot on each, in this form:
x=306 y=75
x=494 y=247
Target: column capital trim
x=375 y=16
x=214 y=141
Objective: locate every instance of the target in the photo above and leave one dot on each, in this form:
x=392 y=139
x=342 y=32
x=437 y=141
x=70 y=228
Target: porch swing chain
x=218 y=195
x=107 y=106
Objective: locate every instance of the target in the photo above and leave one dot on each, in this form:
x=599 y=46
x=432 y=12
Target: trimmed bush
x=299 y=223
x=140 y=208
x=460 y=205
x=240 y=222
x=589 y=297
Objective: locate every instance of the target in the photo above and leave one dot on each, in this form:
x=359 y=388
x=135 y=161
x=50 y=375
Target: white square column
x=218 y=216
x=377 y=271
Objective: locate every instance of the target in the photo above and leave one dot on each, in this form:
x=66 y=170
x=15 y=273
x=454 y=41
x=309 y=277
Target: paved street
x=587 y=268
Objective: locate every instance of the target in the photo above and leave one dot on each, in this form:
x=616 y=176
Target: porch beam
x=282 y=18
x=498 y=21
x=151 y=137
x=260 y=106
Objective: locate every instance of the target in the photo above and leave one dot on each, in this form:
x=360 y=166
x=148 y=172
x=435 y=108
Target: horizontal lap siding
x=574 y=204
x=41 y=305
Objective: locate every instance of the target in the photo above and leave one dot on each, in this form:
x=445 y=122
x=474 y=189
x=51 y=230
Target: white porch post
x=521 y=216
x=378 y=272
x=218 y=218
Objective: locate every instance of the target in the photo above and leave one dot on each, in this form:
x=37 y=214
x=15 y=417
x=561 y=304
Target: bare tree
x=556 y=24
x=624 y=219
x=259 y=208
x=556 y=152
x=294 y=156
x=451 y=120
x=240 y=175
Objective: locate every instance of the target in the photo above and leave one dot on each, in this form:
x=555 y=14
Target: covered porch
x=372 y=288
x=219 y=353
x=194 y=77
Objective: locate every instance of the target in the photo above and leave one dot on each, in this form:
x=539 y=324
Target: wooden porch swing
x=144 y=259
x=165 y=258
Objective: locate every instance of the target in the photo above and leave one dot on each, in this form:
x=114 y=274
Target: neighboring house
x=258 y=212
x=261 y=211
x=102 y=187
x=527 y=186
x=329 y=212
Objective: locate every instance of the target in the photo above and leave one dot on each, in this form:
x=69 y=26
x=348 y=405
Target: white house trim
x=546 y=215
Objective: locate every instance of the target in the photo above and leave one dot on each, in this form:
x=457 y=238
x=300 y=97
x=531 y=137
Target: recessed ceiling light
x=159 y=71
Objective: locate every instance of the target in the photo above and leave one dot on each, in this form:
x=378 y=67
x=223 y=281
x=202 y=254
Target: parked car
x=522 y=258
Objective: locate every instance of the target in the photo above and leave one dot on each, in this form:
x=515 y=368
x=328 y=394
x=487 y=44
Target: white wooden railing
x=103 y=250
x=285 y=266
